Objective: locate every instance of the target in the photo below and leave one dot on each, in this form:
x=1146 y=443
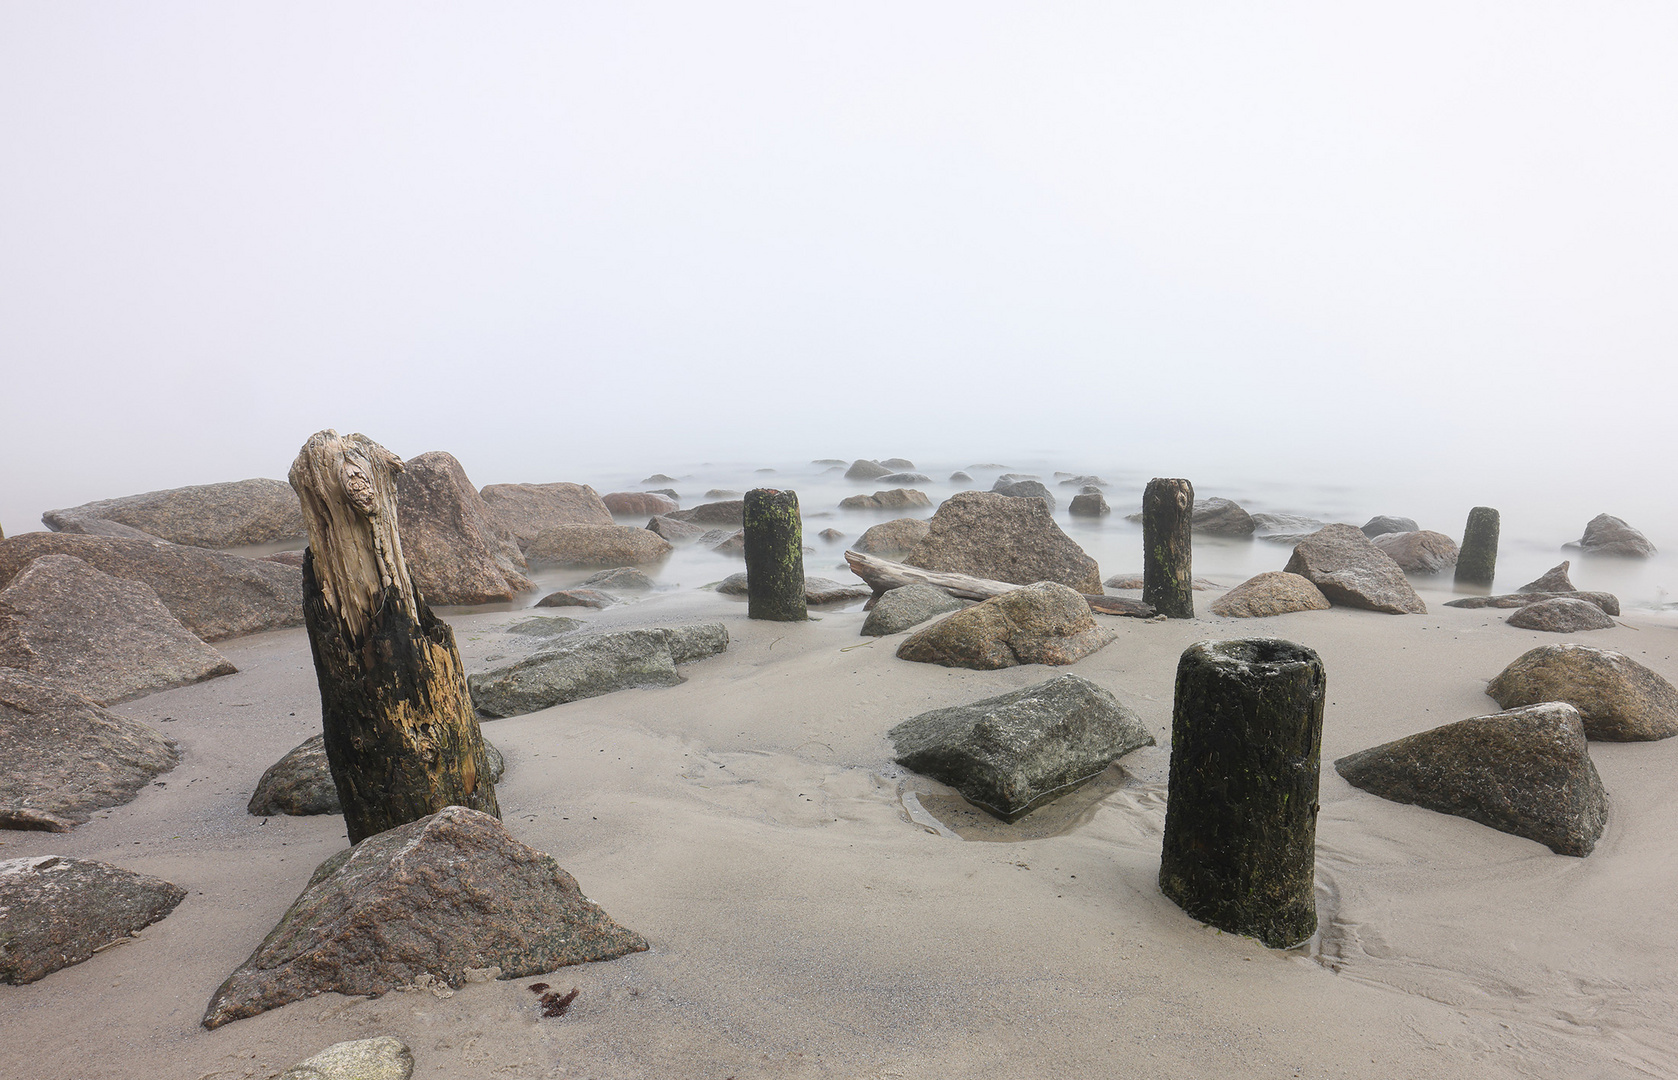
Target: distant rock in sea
x=1608 y=535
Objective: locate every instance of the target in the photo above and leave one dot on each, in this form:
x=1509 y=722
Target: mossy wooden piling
x=774 y=556
x=1477 y=557
x=1168 y=547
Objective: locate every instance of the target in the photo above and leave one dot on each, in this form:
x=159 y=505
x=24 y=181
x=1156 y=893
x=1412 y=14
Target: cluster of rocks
x=1551 y=604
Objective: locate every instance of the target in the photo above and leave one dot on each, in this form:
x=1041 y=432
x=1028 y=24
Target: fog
x=1426 y=244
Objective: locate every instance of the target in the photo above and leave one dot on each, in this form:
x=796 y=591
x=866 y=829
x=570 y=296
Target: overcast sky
x=553 y=238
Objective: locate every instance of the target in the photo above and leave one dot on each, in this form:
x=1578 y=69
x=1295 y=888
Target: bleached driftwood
x=883 y=575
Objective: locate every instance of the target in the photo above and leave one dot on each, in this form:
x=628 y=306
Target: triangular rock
x=55 y=912
x=1526 y=772
x=1554 y=579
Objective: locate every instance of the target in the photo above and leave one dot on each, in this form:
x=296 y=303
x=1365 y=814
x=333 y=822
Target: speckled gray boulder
x=1221 y=517
x=673 y=531
x=1274 y=592
x=893 y=499
x=892 y=538
x=585 y=667
x=1043 y=623
x=1089 y=504
x=381 y=1058
x=234 y=514
x=57 y=911
x=1381 y=524
x=1418 y=552
x=1619 y=699
x=1553 y=580
x=1608 y=602
x=865 y=469
x=527 y=509
x=596 y=545
x=300 y=783
x=1561 y=615
x=899 y=609
x=1340 y=560
x=983 y=534
x=1608 y=535
x=457 y=550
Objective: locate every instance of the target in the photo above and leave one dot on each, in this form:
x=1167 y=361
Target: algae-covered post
x=1168 y=547
x=1477 y=558
x=1241 y=814
x=774 y=556
x=401 y=736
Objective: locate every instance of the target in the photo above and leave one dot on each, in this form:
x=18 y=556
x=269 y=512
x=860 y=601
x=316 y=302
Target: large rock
x=1608 y=535
x=621 y=578
x=107 y=638
x=63 y=757
x=1526 y=772
x=893 y=538
x=588 y=598
x=1090 y=504
x=382 y=1058
x=894 y=499
x=90 y=526
x=433 y=897
x=55 y=912
x=1553 y=580
x=901 y=478
x=1561 y=615
x=727 y=512
x=1011 y=753
x=216 y=595
x=1418 y=552
x=820 y=590
x=911 y=605
x=1608 y=602
x=528 y=509
x=1221 y=517
x=301 y=784
x=1275 y=592
x=673 y=531
x=864 y=469
x=597 y=545
x=1023 y=488
x=1043 y=623
x=1287 y=529
x=209 y=515
x=983 y=534
x=1381 y=524
x=594 y=665
x=638 y=503
x=457 y=550
x=1081 y=482
x=1619 y=699
x=1340 y=560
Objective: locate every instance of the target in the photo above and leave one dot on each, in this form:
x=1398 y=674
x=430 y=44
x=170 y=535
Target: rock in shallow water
x=1608 y=535
x=890 y=539
x=597 y=545
x=55 y=912
x=1553 y=580
x=1418 y=552
x=1221 y=517
x=1619 y=699
x=528 y=509
x=1608 y=602
x=983 y=534
x=1043 y=623
x=894 y=499
x=1340 y=560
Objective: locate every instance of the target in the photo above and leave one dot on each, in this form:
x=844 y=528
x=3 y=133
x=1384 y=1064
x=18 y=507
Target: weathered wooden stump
x=774 y=556
x=1168 y=547
x=1241 y=816
x=1477 y=558
x=401 y=734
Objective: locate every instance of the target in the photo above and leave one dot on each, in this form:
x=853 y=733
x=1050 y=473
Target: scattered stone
x=1381 y=524
x=863 y=469
x=589 y=598
x=894 y=499
x=1221 y=517
x=820 y=590
x=658 y=478
x=638 y=503
x=897 y=463
x=673 y=531
x=1561 y=615
x=1081 y=482
x=1553 y=580
x=235 y=514
x=1275 y=592
x=545 y=626
x=731 y=512
x=832 y=536
x=1340 y=560
x=987 y=535
x=668 y=492
x=1090 y=504
x=88 y=526
x=1608 y=602
x=622 y=578
x=959 y=477
x=62 y=756
x=382 y=1058
x=724 y=542
x=590 y=666
x=901 y=478
x=1045 y=623
x=1134 y=582
x=108 y=638
x=827 y=461
x=300 y=783
x=529 y=509
x=911 y=605
x=723 y=493
x=892 y=538
x=597 y=545
x=1419 y=552
x=1608 y=535
x=1023 y=488
x=1619 y=699
x=989 y=467
x=1287 y=529
x=55 y=912
x=430 y=898
x=1012 y=753
x=1526 y=772
x=733 y=585
x=1013 y=477
x=457 y=550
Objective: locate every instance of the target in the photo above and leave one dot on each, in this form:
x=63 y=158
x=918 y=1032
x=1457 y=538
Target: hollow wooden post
x=774 y=556
x=1168 y=547
x=402 y=738
x=1477 y=558
x=1241 y=814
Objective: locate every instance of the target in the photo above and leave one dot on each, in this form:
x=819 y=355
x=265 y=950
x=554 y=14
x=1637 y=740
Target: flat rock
x=91 y=526
x=107 y=638
x=586 y=667
x=597 y=545
x=1275 y=592
x=1134 y=582
x=983 y=534
x=1082 y=482
x=433 y=897
x=544 y=626
x=235 y=514
x=899 y=609
x=216 y=595
x=1619 y=699
x=733 y=585
x=528 y=509
x=1045 y=623
x=901 y=478
x=638 y=503
x=1608 y=602
x=894 y=499
x=673 y=531
x=56 y=911
x=1340 y=560
x=589 y=598
x=1526 y=772
x=1608 y=535
x=1553 y=580
x=1089 y=504
x=382 y=1058
x=1012 y=753
x=621 y=578
x=892 y=538
x=62 y=756
x=727 y=512
x=457 y=549
x=1221 y=517
x=1381 y=524
x=1023 y=487
x=300 y=783
x=1561 y=615
x=1287 y=529
x=864 y=469
x=820 y=590
x=1418 y=552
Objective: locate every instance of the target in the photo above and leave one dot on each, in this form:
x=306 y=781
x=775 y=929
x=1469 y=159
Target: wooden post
x=401 y=735
x=1241 y=812
x=1477 y=558
x=774 y=556
x=1168 y=547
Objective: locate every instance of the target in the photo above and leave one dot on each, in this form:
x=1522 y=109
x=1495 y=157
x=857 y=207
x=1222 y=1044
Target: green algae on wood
x=1477 y=558
x=1168 y=547
x=774 y=556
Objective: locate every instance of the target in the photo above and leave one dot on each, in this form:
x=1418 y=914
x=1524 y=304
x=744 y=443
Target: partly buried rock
x=589 y=598
x=1526 y=772
x=817 y=590
x=1023 y=488
x=1561 y=615
x=1420 y=552
x=831 y=536
x=638 y=503
x=597 y=545
x=457 y=550
x=528 y=509
x=673 y=531
x=1287 y=529
x=891 y=538
x=1012 y=753
x=234 y=514
x=544 y=626
x=1275 y=592
x=895 y=499
x=1608 y=602
x=107 y=638
x=621 y=578
x=55 y=912
x=983 y=534
x=911 y=605
x=724 y=542
x=1133 y=582
x=1381 y=524
x=301 y=782
x=381 y=1058
x=215 y=594
x=63 y=757
x=1081 y=482
x=1221 y=517
x=1619 y=699
x=1553 y=580
x=865 y=469
x=590 y=666
x=433 y=897
x=1608 y=535
x=1043 y=623
x=1340 y=560
x=727 y=512
x=1089 y=504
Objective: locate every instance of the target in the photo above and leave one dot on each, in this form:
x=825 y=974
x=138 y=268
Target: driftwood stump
x=401 y=734
x=1168 y=547
x=1477 y=558
x=774 y=556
